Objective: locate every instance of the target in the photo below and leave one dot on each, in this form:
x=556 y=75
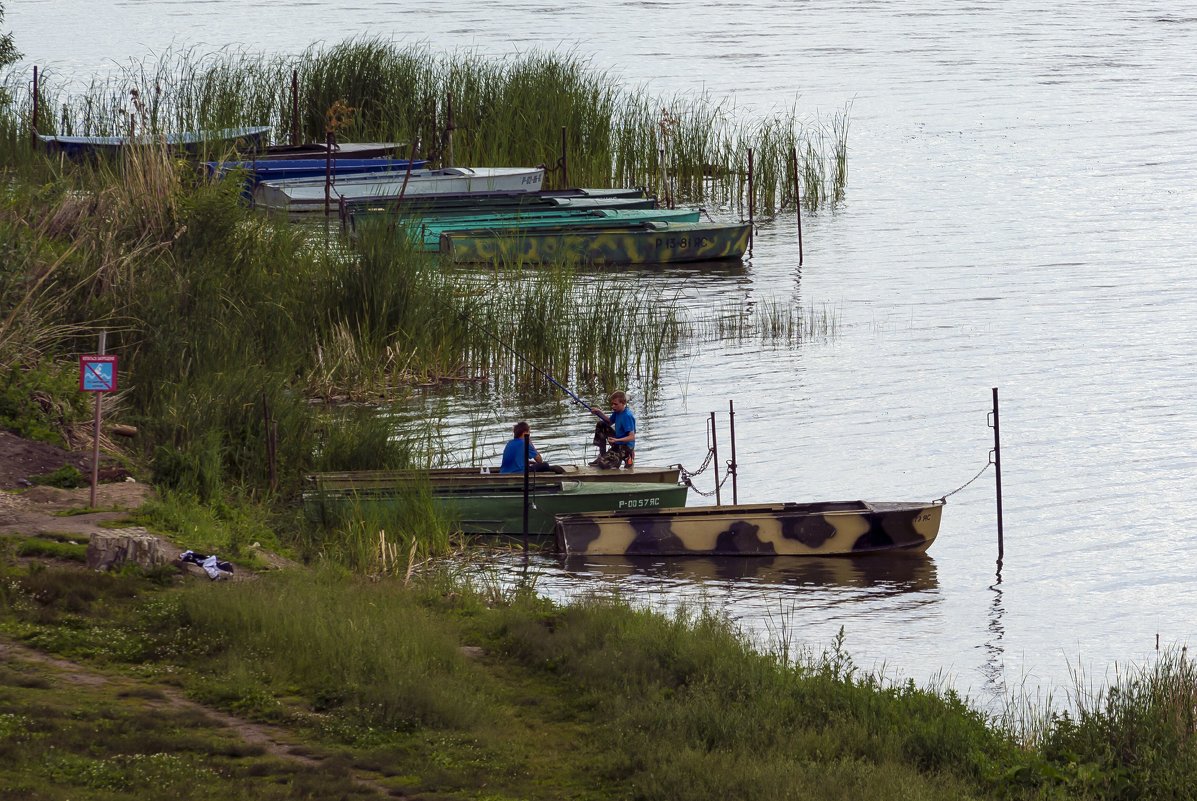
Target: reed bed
x=768 y=321
x=461 y=108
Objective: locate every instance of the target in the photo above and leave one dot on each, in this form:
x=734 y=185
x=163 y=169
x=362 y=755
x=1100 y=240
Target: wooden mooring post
x=751 y=204
x=295 y=107
x=33 y=121
x=797 y=199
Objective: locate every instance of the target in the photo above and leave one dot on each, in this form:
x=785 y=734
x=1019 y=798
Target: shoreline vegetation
x=396 y=662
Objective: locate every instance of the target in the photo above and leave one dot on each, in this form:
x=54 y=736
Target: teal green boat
x=641 y=243
x=430 y=230
x=499 y=509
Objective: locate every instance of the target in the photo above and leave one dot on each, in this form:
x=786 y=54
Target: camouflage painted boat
x=499 y=508
x=513 y=225
x=650 y=243
x=836 y=528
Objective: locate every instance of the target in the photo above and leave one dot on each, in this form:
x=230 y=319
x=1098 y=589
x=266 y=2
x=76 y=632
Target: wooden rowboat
x=649 y=243
x=836 y=528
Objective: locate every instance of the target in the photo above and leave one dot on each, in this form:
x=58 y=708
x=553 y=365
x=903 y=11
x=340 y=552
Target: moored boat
x=499 y=508
x=483 y=476
x=341 y=150
x=427 y=232
x=649 y=243
x=241 y=139
x=437 y=204
x=298 y=195
x=835 y=528
x=280 y=169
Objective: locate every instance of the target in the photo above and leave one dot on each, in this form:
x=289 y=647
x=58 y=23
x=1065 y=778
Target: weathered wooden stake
x=751 y=204
x=797 y=200
x=295 y=107
x=997 y=463
x=95 y=444
x=564 y=161
x=33 y=125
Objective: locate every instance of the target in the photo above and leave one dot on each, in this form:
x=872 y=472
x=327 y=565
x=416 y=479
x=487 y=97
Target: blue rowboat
x=191 y=142
x=281 y=169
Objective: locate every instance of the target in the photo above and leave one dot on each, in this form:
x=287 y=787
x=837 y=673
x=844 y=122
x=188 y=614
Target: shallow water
x=1018 y=215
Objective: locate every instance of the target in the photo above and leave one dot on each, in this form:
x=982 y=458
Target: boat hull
x=484 y=476
x=654 y=243
x=838 y=528
x=298 y=195
x=428 y=232
x=499 y=509
x=242 y=139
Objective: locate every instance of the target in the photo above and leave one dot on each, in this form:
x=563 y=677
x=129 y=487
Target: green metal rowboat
x=648 y=243
x=396 y=480
x=522 y=223
x=499 y=508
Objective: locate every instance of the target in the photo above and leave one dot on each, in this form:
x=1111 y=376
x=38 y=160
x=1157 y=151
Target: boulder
x=122 y=546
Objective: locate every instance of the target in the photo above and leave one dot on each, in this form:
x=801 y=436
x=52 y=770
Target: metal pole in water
x=751 y=203
x=997 y=464
x=527 y=457
x=715 y=460
x=797 y=200
x=731 y=466
x=95 y=445
x=33 y=125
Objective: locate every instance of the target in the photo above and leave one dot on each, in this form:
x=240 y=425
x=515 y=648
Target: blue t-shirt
x=513 y=456
x=624 y=423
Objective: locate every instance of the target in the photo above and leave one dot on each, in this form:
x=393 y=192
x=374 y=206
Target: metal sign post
x=97 y=374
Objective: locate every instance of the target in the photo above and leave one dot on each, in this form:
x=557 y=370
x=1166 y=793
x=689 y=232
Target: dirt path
x=273 y=740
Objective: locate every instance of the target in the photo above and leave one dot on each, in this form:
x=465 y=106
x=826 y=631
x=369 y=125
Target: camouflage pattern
x=798 y=529
x=652 y=243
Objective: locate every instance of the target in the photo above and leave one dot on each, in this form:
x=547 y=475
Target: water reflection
x=993 y=668
x=891 y=575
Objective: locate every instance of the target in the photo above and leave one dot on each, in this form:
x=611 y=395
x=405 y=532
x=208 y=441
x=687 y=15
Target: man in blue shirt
x=623 y=438
x=513 y=454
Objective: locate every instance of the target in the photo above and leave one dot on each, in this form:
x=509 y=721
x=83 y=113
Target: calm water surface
x=1022 y=179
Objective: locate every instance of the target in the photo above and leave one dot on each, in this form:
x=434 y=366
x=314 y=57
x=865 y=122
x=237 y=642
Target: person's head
x=521 y=428
x=618 y=397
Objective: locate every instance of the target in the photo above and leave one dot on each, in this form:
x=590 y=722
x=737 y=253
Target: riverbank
x=317 y=684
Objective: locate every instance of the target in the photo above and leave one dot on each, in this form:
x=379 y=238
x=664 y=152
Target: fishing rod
x=590 y=408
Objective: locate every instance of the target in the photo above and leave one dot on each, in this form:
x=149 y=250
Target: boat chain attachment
x=687 y=474
x=943 y=498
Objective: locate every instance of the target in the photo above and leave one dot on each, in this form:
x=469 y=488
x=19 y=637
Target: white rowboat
x=307 y=194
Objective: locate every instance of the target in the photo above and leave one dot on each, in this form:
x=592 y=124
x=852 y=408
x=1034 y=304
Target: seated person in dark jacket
x=513 y=454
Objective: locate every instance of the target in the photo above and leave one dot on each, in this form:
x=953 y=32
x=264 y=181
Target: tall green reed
x=463 y=108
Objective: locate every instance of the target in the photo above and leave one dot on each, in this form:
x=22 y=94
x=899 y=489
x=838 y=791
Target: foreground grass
x=441 y=689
